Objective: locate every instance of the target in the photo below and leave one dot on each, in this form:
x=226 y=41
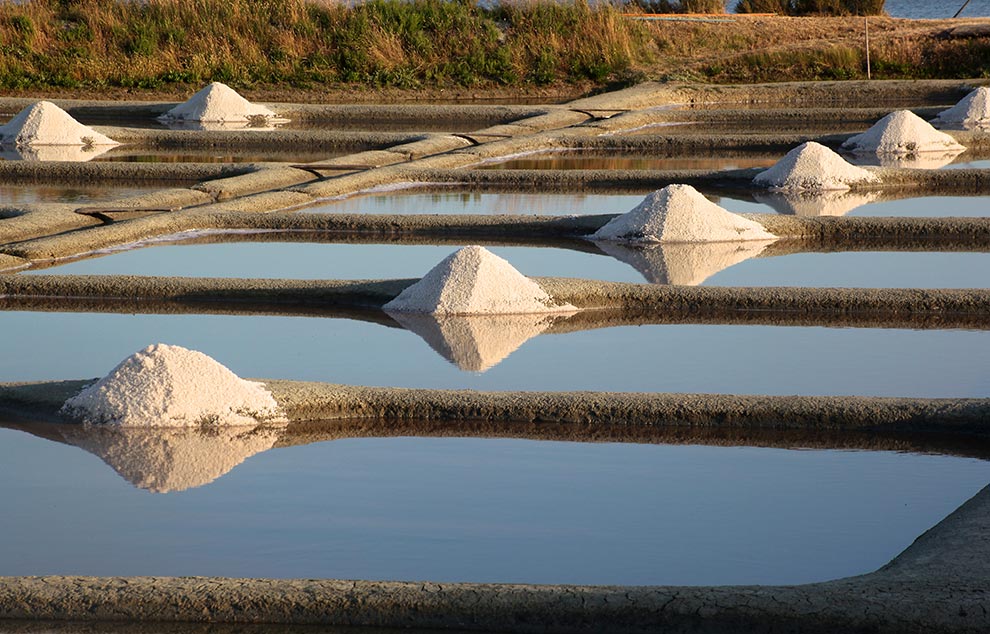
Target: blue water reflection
x=483 y=510
x=665 y=358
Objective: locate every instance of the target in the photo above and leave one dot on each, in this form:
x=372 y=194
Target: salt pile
x=170 y=386
x=679 y=213
x=221 y=103
x=44 y=123
x=972 y=112
x=474 y=281
x=475 y=343
x=683 y=263
x=166 y=460
x=902 y=132
x=813 y=167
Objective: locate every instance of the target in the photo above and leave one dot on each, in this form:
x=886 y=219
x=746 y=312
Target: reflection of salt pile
x=679 y=213
x=902 y=132
x=74 y=153
x=44 y=123
x=170 y=386
x=475 y=343
x=163 y=460
x=830 y=203
x=972 y=112
x=813 y=167
x=474 y=281
x=683 y=264
x=921 y=160
x=219 y=102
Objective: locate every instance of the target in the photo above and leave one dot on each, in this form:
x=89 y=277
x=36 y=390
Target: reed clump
x=402 y=43
x=812 y=7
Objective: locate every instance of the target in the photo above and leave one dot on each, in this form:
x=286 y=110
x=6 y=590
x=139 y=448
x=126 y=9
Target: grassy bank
x=157 y=44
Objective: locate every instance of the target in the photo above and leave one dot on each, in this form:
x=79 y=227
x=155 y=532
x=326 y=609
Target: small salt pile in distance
x=972 y=112
x=813 y=167
x=902 y=132
x=170 y=386
x=475 y=281
x=680 y=213
x=220 y=103
x=44 y=123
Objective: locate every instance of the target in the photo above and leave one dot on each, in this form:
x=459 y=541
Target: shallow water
x=716 y=264
x=38 y=193
x=655 y=358
x=489 y=510
x=927 y=9
x=616 y=160
x=456 y=200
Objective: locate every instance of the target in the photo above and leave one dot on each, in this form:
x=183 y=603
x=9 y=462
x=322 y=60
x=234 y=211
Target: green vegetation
x=318 y=44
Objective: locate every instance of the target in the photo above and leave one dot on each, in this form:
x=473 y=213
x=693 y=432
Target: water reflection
x=64 y=153
x=828 y=203
x=475 y=343
x=683 y=264
x=164 y=460
x=921 y=160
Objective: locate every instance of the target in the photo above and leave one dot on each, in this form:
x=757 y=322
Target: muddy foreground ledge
x=938 y=585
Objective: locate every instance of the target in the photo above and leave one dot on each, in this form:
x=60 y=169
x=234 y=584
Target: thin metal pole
x=869 y=75
x=961 y=9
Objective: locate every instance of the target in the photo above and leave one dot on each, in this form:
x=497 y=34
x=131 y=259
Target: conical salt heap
x=679 y=213
x=166 y=460
x=44 y=123
x=972 y=112
x=813 y=167
x=902 y=132
x=475 y=343
x=170 y=386
x=221 y=103
x=474 y=281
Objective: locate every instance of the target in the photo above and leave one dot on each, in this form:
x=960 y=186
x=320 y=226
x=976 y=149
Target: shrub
x=812 y=7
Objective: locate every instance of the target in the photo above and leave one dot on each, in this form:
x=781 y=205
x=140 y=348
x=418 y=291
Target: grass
x=311 y=44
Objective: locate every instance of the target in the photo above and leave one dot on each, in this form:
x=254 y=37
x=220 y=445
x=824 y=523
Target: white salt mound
x=170 y=386
x=902 y=132
x=474 y=281
x=44 y=123
x=679 y=213
x=813 y=167
x=972 y=111
x=219 y=102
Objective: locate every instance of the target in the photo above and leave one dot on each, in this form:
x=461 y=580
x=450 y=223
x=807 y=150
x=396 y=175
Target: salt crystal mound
x=474 y=281
x=814 y=204
x=813 y=167
x=971 y=113
x=166 y=460
x=220 y=103
x=685 y=263
x=902 y=132
x=476 y=343
x=44 y=123
x=679 y=213
x=170 y=386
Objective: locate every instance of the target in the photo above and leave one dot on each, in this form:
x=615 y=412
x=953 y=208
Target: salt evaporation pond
x=456 y=200
x=128 y=154
x=676 y=264
x=485 y=510
x=620 y=159
x=657 y=358
x=28 y=193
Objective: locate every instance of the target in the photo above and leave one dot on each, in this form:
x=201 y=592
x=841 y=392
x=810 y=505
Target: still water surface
x=487 y=510
x=718 y=264
x=656 y=358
